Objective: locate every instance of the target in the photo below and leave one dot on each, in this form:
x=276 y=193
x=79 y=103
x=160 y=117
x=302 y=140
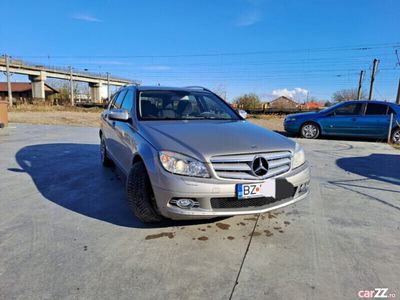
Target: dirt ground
x=92 y=119
x=273 y=122
x=86 y=119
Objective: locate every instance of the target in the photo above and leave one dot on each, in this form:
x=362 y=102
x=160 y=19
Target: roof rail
x=133 y=83
x=198 y=87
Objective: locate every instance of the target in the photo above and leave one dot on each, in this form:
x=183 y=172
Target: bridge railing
x=15 y=61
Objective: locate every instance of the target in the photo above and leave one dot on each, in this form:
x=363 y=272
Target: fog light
x=303 y=187
x=184 y=203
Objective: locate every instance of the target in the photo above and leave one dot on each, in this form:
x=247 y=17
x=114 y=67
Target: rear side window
x=349 y=109
x=374 y=109
x=128 y=101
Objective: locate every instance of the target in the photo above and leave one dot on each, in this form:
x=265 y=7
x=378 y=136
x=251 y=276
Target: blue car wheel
x=396 y=136
x=309 y=131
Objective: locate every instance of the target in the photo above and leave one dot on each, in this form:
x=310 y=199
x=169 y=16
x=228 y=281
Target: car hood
x=203 y=139
x=303 y=115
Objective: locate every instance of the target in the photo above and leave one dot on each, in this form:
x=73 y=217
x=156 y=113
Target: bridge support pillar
x=95 y=91
x=38 y=89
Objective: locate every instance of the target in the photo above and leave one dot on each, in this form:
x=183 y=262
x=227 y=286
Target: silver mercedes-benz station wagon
x=188 y=155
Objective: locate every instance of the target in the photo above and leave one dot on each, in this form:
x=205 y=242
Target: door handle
x=354 y=119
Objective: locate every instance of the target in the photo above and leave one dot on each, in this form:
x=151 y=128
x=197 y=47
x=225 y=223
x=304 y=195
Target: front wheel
x=309 y=131
x=396 y=136
x=140 y=194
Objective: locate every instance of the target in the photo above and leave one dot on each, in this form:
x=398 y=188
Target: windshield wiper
x=216 y=118
x=190 y=118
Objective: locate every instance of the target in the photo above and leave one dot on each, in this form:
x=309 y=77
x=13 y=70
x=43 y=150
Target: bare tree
x=248 y=101
x=313 y=99
x=63 y=88
x=220 y=90
x=79 y=87
x=347 y=94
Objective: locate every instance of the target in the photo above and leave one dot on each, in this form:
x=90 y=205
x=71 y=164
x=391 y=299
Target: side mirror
x=242 y=113
x=119 y=115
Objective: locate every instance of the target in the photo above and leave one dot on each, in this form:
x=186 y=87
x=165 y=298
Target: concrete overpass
x=38 y=74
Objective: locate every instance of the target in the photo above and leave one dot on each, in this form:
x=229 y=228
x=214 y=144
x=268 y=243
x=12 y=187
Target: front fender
x=149 y=155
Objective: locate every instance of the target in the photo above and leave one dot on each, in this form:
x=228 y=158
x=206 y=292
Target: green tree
x=248 y=101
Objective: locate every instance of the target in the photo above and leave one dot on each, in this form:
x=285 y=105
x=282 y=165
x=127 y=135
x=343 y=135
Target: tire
x=105 y=160
x=310 y=131
x=140 y=195
x=396 y=136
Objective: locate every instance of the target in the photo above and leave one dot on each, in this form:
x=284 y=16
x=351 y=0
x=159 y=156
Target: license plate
x=256 y=190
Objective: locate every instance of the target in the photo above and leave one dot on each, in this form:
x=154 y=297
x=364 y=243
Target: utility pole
x=360 y=85
x=71 y=86
x=10 y=100
x=398 y=94
x=108 y=87
x=371 y=87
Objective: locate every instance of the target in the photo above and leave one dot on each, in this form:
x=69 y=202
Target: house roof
x=23 y=87
x=284 y=98
x=313 y=105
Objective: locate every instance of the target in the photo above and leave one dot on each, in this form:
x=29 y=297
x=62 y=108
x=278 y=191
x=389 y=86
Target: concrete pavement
x=66 y=230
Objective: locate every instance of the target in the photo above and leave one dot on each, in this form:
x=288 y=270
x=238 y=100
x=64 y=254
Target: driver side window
x=128 y=101
x=350 y=109
x=118 y=100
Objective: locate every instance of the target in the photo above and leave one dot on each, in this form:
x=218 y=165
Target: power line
x=364 y=47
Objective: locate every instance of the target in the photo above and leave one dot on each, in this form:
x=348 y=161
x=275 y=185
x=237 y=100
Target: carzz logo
x=377 y=293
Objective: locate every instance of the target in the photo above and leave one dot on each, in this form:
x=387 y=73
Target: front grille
x=233 y=202
x=284 y=190
x=239 y=166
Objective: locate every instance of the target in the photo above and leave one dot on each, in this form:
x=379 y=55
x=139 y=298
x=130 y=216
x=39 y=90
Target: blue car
x=358 y=118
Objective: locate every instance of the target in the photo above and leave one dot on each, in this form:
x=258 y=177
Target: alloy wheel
x=309 y=131
x=396 y=137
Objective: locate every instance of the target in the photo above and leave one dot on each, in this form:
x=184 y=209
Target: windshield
x=332 y=107
x=176 y=105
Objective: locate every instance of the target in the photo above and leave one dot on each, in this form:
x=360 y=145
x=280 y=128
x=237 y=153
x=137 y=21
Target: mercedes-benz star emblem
x=259 y=166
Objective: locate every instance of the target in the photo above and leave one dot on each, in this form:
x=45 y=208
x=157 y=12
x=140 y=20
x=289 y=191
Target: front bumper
x=292 y=127
x=205 y=190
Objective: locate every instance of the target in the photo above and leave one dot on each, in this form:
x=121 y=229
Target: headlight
x=183 y=165
x=289 y=119
x=299 y=157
